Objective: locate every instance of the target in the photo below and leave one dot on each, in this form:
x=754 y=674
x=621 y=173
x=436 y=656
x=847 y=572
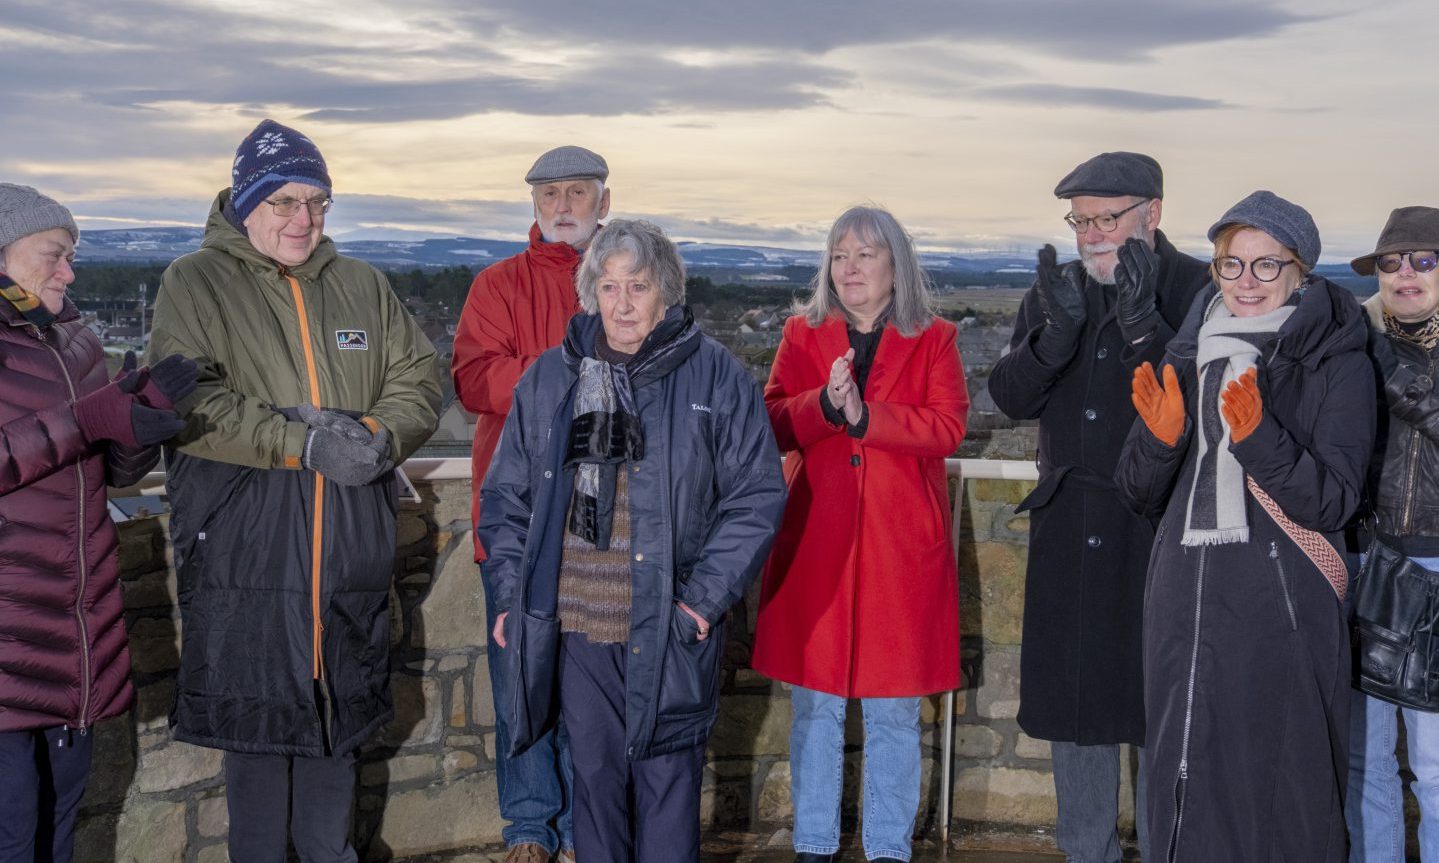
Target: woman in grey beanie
x=66 y=431
x=1252 y=454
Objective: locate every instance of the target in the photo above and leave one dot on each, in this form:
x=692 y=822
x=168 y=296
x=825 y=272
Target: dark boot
x=806 y=857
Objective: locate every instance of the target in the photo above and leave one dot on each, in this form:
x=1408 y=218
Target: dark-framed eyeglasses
x=290 y=206
x=1230 y=268
x=1422 y=262
x=1105 y=222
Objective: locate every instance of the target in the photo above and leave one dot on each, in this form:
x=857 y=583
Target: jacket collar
x=893 y=353
x=556 y=255
x=13 y=316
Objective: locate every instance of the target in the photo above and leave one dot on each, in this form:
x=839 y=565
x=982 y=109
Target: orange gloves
x=1242 y=406
x=1161 y=409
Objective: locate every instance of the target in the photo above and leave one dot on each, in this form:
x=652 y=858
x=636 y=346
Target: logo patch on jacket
x=352 y=340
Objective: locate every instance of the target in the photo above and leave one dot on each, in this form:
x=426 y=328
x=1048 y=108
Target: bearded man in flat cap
x=516 y=310
x=1082 y=330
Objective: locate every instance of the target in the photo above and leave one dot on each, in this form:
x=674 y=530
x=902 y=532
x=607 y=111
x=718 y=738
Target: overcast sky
x=754 y=121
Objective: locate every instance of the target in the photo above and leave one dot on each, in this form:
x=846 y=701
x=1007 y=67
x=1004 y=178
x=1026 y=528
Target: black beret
x=1112 y=175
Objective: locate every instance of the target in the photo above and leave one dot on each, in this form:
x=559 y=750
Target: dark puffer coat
x=1246 y=653
x=63 y=659
x=1080 y=677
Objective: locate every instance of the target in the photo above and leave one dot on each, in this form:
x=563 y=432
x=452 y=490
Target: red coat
x=861 y=593
x=516 y=310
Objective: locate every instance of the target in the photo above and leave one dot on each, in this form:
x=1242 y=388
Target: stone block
x=212 y=817
x=1004 y=795
x=452 y=615
x=458 y=712
x=410 y=529
x=482 y=706
x=112 y=763
x=976 y=742
x=458 y=762
x=991 y=582
x=774 y=803
x=456 y=814
x=998 y=490
x=142 y=542
x=419 y=714
x=217 y=853
x=1027 y=747
x=724 y=805
x=154 y=589
x=155 y=645
x=95 y=839
x=152 y=704
x=1018 y=524
x=176 y=765
x=151 y=832
x=452 y=504
x=998 y=694
x=452 y=662
x=733 y=768
x=399 y=770
x=751 y=725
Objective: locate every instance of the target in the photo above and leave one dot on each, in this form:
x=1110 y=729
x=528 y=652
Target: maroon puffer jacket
x=63 y=659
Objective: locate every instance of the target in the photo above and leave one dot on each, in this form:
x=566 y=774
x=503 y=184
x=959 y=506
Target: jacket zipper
x=317 y=533
x=1283 y=584
x=1182 y=781
x=85 y=670
x=1413 y=469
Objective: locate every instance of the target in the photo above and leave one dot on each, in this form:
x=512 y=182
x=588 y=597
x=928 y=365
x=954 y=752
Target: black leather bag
x=1396 y=629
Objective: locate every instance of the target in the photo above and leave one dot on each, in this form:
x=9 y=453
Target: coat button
x=1101 y=353
x=635 y=649
x=549 y=475
x=854 y=461
x=1090 y=414
x=1095 y=542
x=640 y=557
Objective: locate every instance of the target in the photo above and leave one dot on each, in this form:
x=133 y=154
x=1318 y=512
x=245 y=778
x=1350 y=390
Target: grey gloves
x=343 y=449
x=1136 y=276
x=1061 y=298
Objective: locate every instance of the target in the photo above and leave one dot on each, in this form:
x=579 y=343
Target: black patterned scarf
x=26 y=303
x=606 y=430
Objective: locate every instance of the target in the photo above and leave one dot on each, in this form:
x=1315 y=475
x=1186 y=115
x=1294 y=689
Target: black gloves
x=114 y=413
x=1136 y=276
x=342 y=449
x=1061 y=298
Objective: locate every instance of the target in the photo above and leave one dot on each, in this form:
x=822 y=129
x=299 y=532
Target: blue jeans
x=1374 y=811
x=535 y=787
x=891 y=772
x=1086 y=788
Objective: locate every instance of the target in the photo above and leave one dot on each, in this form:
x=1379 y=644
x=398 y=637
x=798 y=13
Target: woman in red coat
x=861 y=595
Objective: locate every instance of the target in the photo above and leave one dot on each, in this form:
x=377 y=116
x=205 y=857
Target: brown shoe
x=566 y=855
x=527 y=852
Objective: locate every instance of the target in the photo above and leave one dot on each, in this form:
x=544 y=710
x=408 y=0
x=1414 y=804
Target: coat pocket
x=690 y=681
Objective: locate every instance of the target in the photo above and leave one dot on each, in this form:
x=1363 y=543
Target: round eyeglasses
x=290 y=206
x=1422 y=262
x=1230 y=268
x=1105 y=222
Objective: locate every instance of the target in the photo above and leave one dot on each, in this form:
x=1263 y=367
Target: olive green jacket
x=237 y=313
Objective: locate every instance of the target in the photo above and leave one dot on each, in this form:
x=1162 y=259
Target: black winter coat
x=1080 y=677
x=1246 y=653
x=63 y=656
x=705 y=502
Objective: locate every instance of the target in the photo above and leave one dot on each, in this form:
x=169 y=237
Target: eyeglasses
x=290 y=206
x=1230 y=268
x=1422 y=262
x=1105 y=223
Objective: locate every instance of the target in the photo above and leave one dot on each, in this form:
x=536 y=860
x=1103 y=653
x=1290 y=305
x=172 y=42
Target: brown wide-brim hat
x=1409 y=229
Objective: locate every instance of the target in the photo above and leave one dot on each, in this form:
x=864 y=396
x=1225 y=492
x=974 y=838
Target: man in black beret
x=1082 y=330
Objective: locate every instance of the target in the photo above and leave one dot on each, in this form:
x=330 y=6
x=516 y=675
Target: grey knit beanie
x=1286 y=222
x=24 y=211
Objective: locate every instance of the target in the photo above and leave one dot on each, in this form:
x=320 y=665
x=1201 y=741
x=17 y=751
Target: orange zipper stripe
x=317 y=533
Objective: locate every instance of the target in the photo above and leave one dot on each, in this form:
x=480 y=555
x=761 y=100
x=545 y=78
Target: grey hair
x=650 y=252
x=910 y=309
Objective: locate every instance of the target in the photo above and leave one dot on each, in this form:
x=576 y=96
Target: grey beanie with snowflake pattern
x=269 y=157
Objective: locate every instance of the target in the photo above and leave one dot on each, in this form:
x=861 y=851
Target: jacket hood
x=1328 y=321
x=223 y=236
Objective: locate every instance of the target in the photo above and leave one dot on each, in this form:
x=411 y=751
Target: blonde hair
x=910 y=309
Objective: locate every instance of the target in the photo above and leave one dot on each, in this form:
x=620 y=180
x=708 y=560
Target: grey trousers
x=1086 y=785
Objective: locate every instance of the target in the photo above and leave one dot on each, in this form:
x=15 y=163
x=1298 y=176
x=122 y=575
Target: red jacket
x=517 y=309
x=861 y=593
x=63 y=659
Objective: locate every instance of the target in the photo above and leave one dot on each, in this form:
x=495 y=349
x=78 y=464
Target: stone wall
x=427 y=783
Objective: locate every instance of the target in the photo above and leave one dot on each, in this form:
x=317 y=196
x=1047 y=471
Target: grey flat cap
x=1283 y=220
x=24 y=211
x=1409 y=229
x=568 y=163
x=1112 y=175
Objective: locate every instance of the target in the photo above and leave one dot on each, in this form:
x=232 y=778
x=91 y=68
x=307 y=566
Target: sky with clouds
x=753 y=121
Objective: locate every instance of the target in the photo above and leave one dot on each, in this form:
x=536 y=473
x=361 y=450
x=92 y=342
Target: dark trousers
x=307 y=799
x=624 y=812
x=42 y=778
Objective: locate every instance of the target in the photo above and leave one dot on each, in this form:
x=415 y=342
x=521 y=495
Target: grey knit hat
x=24 y=211
x=1283 y=220
x=568 y=163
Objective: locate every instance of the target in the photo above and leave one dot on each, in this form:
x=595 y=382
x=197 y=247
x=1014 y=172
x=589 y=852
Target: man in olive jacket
x=314 y=382
x=1082 y=330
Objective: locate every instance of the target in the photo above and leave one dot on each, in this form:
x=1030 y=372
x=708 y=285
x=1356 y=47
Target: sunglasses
x=1422 y=262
